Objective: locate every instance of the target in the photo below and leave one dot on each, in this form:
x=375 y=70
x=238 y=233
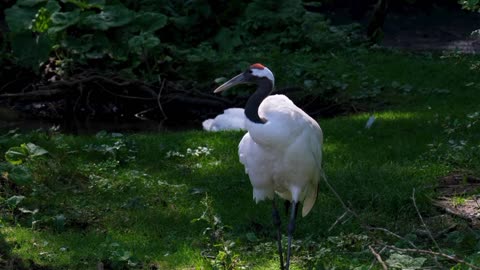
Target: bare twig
x=414 y=249
x=433 y=253
x=87 y=103
x=123 y=96
x=338 y=220
x=392 y=234
x=159 y=96
x=34 y=93
x=7 y=84
x=338 y=196
x=374 y=259
x=378 y=257
x=80 y=88
x=423 y=222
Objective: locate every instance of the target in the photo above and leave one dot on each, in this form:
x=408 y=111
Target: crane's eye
x=250 y=71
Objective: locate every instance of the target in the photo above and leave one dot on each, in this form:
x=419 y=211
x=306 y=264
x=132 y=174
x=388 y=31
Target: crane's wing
x=291 y=144
x=257 y=165
x=315 y=142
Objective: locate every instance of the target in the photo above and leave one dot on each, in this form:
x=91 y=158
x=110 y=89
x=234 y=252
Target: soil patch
x=436 y=29
x=459 y=195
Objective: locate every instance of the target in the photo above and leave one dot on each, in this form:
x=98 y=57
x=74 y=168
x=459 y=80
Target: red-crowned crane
x=282 y=150
x=230 y=119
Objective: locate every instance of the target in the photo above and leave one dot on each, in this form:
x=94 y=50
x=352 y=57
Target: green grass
x=134 y=206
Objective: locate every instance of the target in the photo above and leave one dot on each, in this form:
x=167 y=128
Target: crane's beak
x=239 y=79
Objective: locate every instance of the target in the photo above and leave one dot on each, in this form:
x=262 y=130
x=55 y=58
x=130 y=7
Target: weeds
x=220 y=250
x=127 y=201
x=459 y=145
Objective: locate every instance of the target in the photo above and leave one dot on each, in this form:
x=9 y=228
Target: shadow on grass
x=149 y=218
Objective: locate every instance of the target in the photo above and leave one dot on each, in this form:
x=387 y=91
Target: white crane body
x=282 y=150
x=230 y=119
x=284 y=154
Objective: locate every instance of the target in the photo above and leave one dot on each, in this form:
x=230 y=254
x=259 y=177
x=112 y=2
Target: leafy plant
x=14 y=170
x=19 y=174
x=80 y=31
x=223 y=249
x=470 y=4
x=19 y=154
x=458 y=200
x=115 y=146
x=458 y=146
x=405 y=262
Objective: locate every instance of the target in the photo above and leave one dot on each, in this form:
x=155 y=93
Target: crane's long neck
x=251 y=108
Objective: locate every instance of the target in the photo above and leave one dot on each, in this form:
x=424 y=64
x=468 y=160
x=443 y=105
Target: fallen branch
x=391 y=233
x=338 y=196
x=421 y=251
x=124 y=96
x=33 y=93
x=423 y=222
x=378 y=257
x=338 y=220
x=433 y=253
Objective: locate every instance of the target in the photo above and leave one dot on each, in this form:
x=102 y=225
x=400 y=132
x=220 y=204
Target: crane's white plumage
x=231 y=119
x=263 y=72
x=282 y=150
x=284 y=154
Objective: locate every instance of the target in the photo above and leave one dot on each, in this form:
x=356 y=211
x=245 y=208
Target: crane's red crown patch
x=257 y=66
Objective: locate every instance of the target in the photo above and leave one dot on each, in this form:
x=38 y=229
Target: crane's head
x=255 y=74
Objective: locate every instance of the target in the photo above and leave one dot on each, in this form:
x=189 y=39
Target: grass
x=141 y=200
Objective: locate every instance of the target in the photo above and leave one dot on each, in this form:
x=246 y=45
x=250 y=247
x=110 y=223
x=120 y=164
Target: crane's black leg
x=288 y=205
x=291 y=229
x=277 y=222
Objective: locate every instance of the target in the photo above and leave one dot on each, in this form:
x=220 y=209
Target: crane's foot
x=277 y=223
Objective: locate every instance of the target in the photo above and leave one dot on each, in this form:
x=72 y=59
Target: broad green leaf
x=88 y=4
x=19 y=19
x=16 y=155
x=59 y=222
x=95 y=54
x=62 y=20
x=405 y=262
x=143 y=41
x=4 y=167
x=15 y=200
x=30 y=50
x=183 y=22
x=93 y=46
x=150 y=21
x=34 y=150
x=119 y=52
x=20 y=175
x=126 y=255
x=29 y=3
x=101 y=46
x=227 y=39
x=111 y=16
x=77 y=45
x=101 y=134
x=252 y=237
x=52 y=6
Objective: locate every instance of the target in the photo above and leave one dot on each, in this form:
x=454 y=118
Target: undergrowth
x=181 y=199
